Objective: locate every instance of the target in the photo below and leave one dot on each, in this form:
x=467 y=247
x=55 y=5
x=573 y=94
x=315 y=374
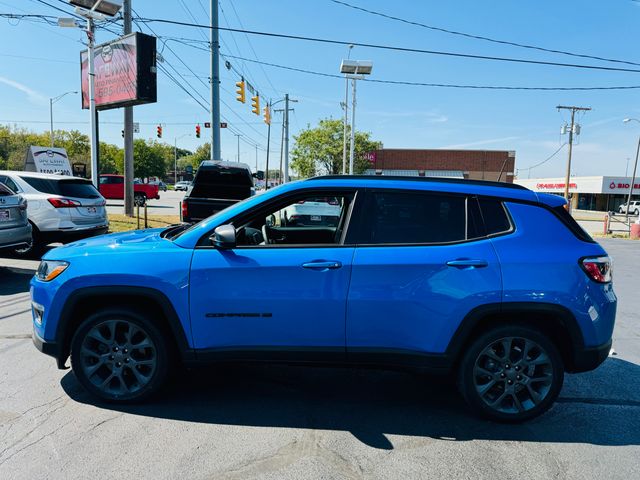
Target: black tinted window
x=9 y=183
x=4 y=191
x=232 y=183
x=67 y=188
x=415 y=218
x=495 y=216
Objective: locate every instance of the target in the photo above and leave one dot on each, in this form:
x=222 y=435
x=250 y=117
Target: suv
x=633 y=209
x=216 y=186
x=490 y=283
x=15 y=229
x=60 y=208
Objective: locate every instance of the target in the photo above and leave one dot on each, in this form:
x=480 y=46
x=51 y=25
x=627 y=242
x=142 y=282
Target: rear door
x=422 y=263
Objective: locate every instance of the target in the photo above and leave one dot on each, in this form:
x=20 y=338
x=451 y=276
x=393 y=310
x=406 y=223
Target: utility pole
x=571 y=132
x=353 y=128
x=281 y=148
x=128 y=131
x=215 y=83
x=92 y=103
x=238 y=135
x=345 y=105
x=266 y=168
x=256 y=159
x=285 y=177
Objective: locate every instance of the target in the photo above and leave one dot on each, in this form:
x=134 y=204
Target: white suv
x=633 y=209
x=60 y=208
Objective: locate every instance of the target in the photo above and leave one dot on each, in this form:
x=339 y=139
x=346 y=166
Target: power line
x=545 y=160
x=394 y=48
x=480 y=37
x=443 y=85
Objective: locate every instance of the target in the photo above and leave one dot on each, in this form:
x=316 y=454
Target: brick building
x=470 y=164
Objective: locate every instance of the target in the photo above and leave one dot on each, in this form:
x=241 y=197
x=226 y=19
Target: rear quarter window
x=495 y=216
x=4 y=191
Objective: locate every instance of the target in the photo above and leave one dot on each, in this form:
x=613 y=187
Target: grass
x=122 y=223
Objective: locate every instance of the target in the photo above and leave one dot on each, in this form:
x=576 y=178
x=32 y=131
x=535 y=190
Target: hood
x=112 y=243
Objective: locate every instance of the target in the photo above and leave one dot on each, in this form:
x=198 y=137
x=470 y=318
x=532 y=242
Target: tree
x=147 y=161
x=110 y=157
x=202 y=153
x=318 y=151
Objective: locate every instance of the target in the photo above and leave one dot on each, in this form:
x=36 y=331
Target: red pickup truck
x=112 y=187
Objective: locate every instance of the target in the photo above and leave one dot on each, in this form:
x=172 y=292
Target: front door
x=283 y=289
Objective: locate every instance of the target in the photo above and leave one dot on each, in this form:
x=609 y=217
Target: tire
x=536 y=381
x=120 y=356
x=139 y=200
x=637 y=212
x=620 y=211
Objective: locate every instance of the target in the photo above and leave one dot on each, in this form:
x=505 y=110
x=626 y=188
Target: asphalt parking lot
x=292 y=422
x=169 y=204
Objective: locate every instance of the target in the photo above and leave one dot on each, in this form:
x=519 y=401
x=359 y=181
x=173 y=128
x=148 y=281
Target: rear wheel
x=35 y=249
x=119 y=356
x=511 y=374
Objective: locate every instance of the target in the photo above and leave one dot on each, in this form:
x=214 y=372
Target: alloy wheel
x=118 y=357
x=513 y=375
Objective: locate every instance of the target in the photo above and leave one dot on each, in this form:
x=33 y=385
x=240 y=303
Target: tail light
x=301 y=202
x=23 y=205
x=599 y=269
x=333 y=202
x=185 y=210
x=63 y=202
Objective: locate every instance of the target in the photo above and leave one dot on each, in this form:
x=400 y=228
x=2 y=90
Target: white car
x=320 y=211
x=183 y=185
x=633 y=209
x=60 y=208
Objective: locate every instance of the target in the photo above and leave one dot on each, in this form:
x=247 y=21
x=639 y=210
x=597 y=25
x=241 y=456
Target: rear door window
x=415 y=218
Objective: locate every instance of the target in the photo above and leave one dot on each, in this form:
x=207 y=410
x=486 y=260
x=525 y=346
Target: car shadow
x=14 y=280
x=593 y=408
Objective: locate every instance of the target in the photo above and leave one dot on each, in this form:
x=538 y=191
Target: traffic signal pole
x=128 y=132
x=215 y=82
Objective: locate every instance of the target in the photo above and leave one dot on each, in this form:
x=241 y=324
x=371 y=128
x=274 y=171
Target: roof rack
x=486 y=183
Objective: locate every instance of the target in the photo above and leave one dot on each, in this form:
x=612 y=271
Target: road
x=291 y=422
x=169 y=204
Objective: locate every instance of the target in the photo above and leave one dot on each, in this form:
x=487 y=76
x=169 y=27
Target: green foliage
x=151 y=158
x=202 y=153
x=318 y=151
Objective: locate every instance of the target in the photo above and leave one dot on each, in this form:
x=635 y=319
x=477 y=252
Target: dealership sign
x=125 y=72
x=593 y=185
x=48 y=160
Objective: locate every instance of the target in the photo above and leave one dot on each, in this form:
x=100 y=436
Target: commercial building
x=470 y=164
x=600 y=193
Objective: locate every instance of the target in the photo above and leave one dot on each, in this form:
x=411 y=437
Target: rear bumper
x=15 y=237
x=589 y=358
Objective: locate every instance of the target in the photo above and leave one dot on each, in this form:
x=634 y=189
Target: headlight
x=50 y=269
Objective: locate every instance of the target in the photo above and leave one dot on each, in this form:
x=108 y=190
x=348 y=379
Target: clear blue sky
x=399 y=116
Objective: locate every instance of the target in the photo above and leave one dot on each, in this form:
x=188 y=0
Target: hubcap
x=513 y=375
x=118 y=357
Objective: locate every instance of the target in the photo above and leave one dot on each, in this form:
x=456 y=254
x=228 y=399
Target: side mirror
x=271 y=221
x=224 y=237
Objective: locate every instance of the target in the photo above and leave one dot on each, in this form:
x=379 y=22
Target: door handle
x=322 y=265
x=468 y=263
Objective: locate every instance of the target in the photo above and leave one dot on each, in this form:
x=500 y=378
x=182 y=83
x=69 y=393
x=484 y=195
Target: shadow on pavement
x=371 y=404
x=14 y=280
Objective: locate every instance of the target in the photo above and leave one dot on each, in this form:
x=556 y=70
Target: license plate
x=316 y=218
x=92 y=210
x=4 y=216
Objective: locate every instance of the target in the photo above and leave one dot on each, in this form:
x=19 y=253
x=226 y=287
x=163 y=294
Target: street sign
x=223 y=124
x=136 y=127
x=207 y=124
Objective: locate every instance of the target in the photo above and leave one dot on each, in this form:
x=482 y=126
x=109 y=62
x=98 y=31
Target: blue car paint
x=381 y=297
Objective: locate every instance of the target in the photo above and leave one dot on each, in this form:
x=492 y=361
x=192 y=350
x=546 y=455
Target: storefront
x=588 y=193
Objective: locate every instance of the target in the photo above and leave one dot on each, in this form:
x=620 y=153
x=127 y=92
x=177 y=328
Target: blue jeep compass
x=489 y=282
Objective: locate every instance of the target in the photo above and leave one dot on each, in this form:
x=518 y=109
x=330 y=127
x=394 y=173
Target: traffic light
x=122 y=133
x=159 y=131
x=267 y=114
x=255 y=104
x=241 y=91
x=198 y=131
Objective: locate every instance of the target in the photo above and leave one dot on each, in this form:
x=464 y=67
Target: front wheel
x=511 y=374
x=119 y=356
x=637 y=212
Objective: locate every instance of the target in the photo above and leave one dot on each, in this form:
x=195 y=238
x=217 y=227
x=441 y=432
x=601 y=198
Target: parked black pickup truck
x=216 y=186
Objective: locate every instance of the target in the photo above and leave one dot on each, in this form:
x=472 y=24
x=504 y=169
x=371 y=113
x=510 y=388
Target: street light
x=51 y=102
x=354 y=70
x=175 y=158
x=633 y=176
